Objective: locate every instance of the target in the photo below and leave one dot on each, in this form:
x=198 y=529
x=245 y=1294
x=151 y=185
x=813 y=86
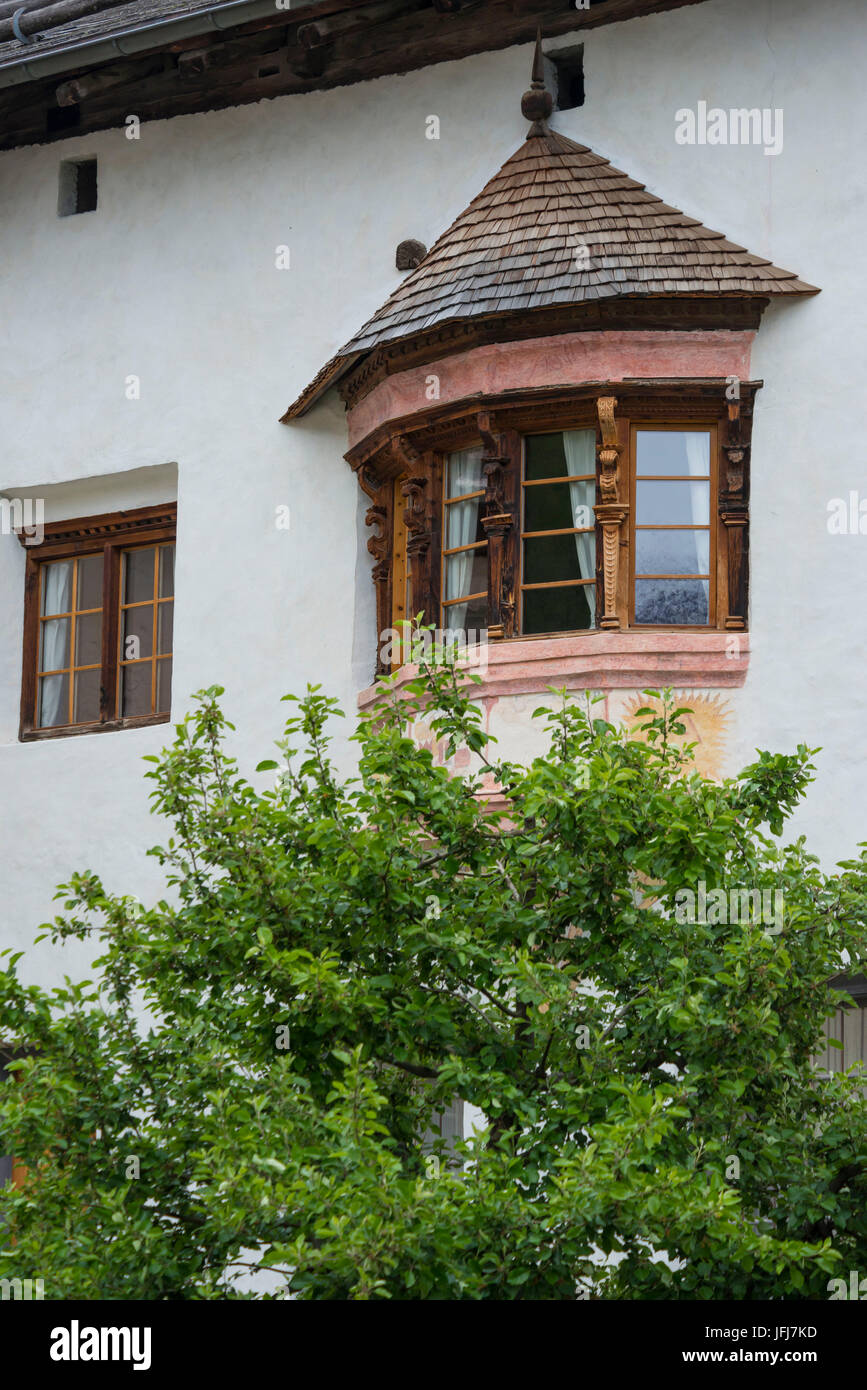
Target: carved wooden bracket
x=370 y=480
x=406 y=453
x=378 y=543
x=415 y=512
x=495 y=461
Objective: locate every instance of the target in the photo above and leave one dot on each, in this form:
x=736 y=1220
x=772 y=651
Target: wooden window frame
x=108 y=534
x=679 y=425
x=447 y=551
x=523 y=535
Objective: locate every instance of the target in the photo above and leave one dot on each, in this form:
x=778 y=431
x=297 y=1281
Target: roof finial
x=537 y=104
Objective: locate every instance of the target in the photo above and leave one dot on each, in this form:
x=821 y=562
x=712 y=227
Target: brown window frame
x=109 y=534
x=679 y=425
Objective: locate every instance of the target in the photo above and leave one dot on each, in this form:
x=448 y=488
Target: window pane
x=86 y=697
x=139 y=575
x=672 y=601
x=53 y=701
x=465 y=472
x=672 y=552
x=57 y=587
x=167 y=571
x=544 y=456
x=89 y=583
x=464 y=523
x=466 y=617
x=559 y=610
x=165 y=624
x=467 y=573
x=55 y=644
x=137 y=633
x=560 y=557
x=88 y=639
x=549 y=507
x=673 y=451
x=164 y=686
x=559 y=455
x=135 y=685
x=673 y=504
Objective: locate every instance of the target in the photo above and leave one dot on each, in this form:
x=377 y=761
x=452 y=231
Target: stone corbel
x=611 y=512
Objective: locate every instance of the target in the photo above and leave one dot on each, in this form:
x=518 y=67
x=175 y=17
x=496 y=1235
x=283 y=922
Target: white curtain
x=580 y=448
x=698 y=462
x=57 y=598
x=465 y=475
x=463 y=521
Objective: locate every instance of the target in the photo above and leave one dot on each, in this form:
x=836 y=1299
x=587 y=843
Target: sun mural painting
x=706 y=726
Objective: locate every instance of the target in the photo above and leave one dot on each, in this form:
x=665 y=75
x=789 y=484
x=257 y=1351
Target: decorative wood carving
x=734 y=509
x=499 y=463
x=610 y=512
x=379 y=546
x=415 y=512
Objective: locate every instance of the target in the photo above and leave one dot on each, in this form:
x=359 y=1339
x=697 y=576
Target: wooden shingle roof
x=558 y=225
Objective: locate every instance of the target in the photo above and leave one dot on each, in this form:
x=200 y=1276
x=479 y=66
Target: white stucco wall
x=173 y=279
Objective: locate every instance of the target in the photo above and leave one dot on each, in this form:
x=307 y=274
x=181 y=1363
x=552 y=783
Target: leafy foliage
x=249 y=1076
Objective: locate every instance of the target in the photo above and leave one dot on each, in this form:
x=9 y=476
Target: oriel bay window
x=98 y=623
x=568 y=512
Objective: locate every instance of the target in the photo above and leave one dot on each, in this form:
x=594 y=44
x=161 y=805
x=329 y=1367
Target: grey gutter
x=137 y=39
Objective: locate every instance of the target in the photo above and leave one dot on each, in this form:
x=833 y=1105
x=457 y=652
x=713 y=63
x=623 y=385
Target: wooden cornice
x=98 y=528
x=455 y=424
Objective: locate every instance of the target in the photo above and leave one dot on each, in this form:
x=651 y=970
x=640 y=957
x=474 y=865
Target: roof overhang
x=212 y=56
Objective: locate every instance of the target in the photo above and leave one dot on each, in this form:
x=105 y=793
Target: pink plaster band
x=603 y=661
x=567 y=359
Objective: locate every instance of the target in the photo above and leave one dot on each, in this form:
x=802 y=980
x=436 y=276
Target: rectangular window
x=558 y=533
x=465 y=550
x=99 y=607
x=673 y=552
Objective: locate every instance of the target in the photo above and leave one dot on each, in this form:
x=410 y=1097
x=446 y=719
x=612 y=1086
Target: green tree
x=249 y=1076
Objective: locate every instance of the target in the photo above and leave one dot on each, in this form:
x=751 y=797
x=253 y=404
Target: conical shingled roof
x=518 y=247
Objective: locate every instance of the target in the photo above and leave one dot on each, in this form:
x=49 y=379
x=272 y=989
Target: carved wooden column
x=734 y=510
x=379 y=546
x=418 y=492
x=498 y=524
x=611 y=512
